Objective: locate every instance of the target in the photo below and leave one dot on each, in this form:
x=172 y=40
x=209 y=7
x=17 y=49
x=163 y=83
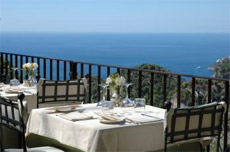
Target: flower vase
x=116 y=98
x=29 y=82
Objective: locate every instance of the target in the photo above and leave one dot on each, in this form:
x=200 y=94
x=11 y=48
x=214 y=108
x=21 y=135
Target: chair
x=194 y=124
x=12 y=117
x=55 y=93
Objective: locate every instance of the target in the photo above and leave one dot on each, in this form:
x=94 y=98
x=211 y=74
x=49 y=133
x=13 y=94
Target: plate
x=65 y=109
x=105 y=121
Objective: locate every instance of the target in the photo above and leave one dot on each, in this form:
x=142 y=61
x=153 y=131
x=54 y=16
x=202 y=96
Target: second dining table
x=90 y=128
x=11 y=92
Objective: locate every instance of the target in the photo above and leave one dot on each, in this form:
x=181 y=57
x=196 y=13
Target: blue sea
x=180 y=53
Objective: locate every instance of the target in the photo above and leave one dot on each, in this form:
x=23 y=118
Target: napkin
x=76 y=116
x=140 y=119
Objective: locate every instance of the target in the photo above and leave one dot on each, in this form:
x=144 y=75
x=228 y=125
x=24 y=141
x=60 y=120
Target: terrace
x=59 y=69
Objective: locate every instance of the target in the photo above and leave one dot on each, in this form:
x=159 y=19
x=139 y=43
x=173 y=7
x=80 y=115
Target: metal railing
x=59 y=69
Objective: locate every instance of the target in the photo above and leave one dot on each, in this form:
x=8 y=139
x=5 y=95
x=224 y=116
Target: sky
x=133 y=16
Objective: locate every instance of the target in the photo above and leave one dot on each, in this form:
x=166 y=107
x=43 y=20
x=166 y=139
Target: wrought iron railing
x=59 y=69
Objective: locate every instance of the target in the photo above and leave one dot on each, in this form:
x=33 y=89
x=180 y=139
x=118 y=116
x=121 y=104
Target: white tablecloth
x=91 y=135
x=30 y=94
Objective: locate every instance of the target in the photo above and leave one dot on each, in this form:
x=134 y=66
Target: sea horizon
x=185 y=53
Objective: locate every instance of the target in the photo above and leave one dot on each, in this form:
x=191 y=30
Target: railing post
x=39 y=67
x=90 y=81
x=64 y=71
x=21 y=72
x=51 y=69
x=58 y=67
x=10 y=66
x=140 y=84
x=178 y=91
x=44 y=68
x=119 y=70
x=209 y=90
x=98 y=82
x=82 y=70
x=193 y=91
x=108 y=90
x=165 y=88
x=226 y=114
x=152 y=89
x=2 y=64
x=73 y=70
x=6 y=63
x=16 y=65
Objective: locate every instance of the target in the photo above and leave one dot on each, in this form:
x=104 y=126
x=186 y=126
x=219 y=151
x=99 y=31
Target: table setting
x=97 y=127
x=28 y=87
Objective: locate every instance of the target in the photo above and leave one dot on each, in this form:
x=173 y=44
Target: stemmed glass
x=104 y=90
x=14 y=81
x=126 y=100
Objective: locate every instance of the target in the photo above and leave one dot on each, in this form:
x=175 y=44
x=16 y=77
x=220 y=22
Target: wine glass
x=14 y=81
x=126 y=100
x=139 y=102
x=104 y=90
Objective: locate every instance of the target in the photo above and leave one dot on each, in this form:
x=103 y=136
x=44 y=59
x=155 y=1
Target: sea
x=179 y=53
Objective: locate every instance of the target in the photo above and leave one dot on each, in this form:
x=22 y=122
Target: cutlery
x=150 y=116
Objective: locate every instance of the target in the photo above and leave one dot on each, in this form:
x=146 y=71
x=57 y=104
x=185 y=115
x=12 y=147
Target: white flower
x=35 y=65
x=122 y=79
x=108 y=80
x=24 y=66
x=28 y=65
x=119 y=81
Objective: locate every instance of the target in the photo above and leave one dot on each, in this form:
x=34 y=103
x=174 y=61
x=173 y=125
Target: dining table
x=11 y=92
x=91 y=128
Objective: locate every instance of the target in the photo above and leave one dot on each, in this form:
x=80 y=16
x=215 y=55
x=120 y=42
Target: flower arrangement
x=29 y=69
x=115 y=81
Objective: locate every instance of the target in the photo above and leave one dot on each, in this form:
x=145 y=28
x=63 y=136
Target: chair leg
x=201 y=148
x=165 y=149
x=1 y=137
x=208 y=148
x=218 y=143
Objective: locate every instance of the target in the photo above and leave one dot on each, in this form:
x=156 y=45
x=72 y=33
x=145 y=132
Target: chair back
x=194 y=122
x=10 y=117
x=53 y=91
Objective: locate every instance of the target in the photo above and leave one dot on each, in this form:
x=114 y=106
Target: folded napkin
x=140 y=119
x=75 y=116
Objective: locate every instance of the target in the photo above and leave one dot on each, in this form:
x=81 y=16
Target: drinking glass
x=126 y=101
x=139 y=102
x=14 y=81
x=104 y=91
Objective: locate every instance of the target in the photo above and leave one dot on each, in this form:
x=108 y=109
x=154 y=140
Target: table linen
x=91 y=135
x=30 y=94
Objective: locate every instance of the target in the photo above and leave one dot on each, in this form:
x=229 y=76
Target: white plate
x=65 y=108
x=105 y=121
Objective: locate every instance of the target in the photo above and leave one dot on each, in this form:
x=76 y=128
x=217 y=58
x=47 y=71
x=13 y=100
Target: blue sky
x=148 y=16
